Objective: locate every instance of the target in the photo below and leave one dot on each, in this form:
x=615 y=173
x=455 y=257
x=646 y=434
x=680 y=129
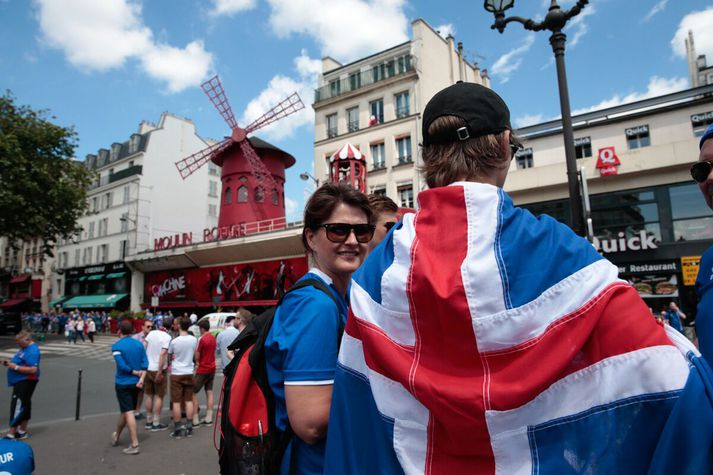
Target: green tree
x=42 y=188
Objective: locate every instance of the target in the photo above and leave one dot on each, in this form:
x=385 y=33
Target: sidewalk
x=84 y=447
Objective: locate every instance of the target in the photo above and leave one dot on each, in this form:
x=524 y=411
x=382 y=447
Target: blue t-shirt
x=16 y=458
x=704 y=316
x=301 y=349
x=28 y=356
x=130 y=355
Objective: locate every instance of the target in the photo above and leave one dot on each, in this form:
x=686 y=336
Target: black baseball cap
x=483 y=111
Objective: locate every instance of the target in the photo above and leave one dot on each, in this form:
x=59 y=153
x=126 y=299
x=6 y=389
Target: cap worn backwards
x=483 y=111
x=706 y=135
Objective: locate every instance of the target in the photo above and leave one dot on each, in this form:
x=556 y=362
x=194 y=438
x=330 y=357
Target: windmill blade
x=190 y=164
x=214 y=90
x=287 y=107
x=258 y=168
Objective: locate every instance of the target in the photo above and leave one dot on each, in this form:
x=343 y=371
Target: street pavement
x=63 y=445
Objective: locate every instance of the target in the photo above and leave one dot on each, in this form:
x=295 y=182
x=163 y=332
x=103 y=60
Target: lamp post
x=554 y=21
x=304 y=176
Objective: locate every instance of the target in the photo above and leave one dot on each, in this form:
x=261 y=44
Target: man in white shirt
x=181 y=351
x=157 y=343
x=194 y=318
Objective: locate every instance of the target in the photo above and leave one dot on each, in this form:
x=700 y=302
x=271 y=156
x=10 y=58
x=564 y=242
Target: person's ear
x=310 y=237
x=505 y=145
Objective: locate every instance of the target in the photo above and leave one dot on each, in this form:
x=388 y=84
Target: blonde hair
x=22 y=334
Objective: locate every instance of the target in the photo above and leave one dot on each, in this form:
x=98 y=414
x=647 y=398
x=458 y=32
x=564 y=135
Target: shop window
x=242 y=194
x=558 y=209
x=638 y=137
x=583 y=147
x=692 y=218
x=376 y=110
x=331 y=125
x=377 y=155
x=259 y=194
x=700 y=122
x=228 y=197
x=353 y=119
x=406 y=196
x=629 y=212
x=523 y=158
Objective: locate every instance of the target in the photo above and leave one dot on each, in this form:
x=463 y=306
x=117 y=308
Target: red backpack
x=250 y=443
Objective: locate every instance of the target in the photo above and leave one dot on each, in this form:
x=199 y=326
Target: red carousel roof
x=346 y=152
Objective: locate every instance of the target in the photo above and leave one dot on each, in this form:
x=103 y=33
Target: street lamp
x=555 y=20
x=304 y=176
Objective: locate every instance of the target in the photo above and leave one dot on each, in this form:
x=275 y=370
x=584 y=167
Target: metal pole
x=557 y=40
x=79 y=395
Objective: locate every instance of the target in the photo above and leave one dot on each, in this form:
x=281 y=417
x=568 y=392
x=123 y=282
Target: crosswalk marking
x=99 y=350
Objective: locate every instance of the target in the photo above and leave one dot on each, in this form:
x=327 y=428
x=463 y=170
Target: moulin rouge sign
x=209 y=234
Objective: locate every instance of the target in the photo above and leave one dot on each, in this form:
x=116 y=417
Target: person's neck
x=182 y=333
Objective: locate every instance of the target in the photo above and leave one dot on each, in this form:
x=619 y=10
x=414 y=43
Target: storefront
x=101 y=286
x=25 y=294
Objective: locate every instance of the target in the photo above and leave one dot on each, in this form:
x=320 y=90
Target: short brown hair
x=323 y=201
x=184 y=323
x=22 y=334
x=204 y=324
x=126 y=327
x=381 y=203
x=445 y=163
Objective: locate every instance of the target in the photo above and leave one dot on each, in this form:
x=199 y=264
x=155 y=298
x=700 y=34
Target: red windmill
x=253 y=184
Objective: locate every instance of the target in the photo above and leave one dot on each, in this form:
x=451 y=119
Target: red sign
x=167 y=242
x=607 y=162
x=224 y=285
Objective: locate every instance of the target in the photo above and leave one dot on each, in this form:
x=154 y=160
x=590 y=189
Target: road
x=63 y=445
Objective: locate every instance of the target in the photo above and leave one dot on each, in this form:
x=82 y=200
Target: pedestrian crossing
x=99 y=350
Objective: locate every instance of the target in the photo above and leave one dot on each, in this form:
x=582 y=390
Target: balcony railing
x=402 y=112
x=353 y=126
x=378 y=73
x=120 y=175
x=405 y=159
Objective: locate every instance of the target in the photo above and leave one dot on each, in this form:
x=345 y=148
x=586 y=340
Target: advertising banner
x=231 y=284
x=689 y=268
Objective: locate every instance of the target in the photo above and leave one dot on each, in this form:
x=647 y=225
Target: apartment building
x=375 y=103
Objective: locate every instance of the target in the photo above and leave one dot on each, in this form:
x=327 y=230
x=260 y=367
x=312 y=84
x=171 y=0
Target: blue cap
x=706 y=135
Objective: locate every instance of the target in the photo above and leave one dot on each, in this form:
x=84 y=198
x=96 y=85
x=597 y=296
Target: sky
x=105 y=66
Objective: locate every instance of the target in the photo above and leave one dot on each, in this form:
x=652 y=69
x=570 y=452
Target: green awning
x=94 y=301
x=95 y=277
x=115 y=275
x=57 y=301
x=84 y=277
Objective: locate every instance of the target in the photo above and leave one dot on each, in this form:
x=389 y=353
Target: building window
x=259 y=194
x=403 y=64
x=242 y=194
x=213 y=189
x=377 y=155
x=692 y=218
x=212 y=210
x=87 y=259
x=124 y=220
x=625 y=214
x=378 y=72
x=335 y=87
x=106 y=200
x=103 y=253
x=95 y=204
x=331 y=125
x=523 y=158
x=402 y=105
x=638 y=137
x=354 y=81
x=379 y=191
x=90 y=231
x=353 y=119
x=228 y=196
x=376 y=110
x=406 y=196
x=123 y=248
x=275 y=197
x=403 y=149
x=76 y=257
x=103 y=227
x=212 y=169
x=583 y=147
x=127 y=194
x=700 y=122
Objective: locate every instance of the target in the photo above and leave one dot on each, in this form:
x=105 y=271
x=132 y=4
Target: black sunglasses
x=339 y=232
x=701 y=170
x=389 y=224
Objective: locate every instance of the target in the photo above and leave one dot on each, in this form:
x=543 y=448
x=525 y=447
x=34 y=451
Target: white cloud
x=343 y=29
x=526 y=120
x=446 y=29
x=700 y=24
x=658 y=8
x=510 y=62
x=657 y=87
x=290 y=206
x=578 y=27
x=231 y=7
x=279 y=88
x=99 y=36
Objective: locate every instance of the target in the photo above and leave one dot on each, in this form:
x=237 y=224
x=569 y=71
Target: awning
x=84 y=277
x=12 y=303
x=58 y=300
x=94 y=301
x=96 y=277
x=20 y=278
x=115 y=275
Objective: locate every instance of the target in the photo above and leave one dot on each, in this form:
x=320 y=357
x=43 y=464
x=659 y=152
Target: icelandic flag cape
x=484 y=340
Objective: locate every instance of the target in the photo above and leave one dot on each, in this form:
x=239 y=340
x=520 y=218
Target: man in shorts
x=181 y=352
x=131 y=364
x=157 y=342
x=205 y=372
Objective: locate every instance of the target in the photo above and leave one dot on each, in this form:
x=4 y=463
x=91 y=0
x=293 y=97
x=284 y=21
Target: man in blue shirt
x=23 y=374
x=131 y=364
x=16 y=458
x=701 y=171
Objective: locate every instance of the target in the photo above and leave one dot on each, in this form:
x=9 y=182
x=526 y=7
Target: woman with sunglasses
x=301 y=348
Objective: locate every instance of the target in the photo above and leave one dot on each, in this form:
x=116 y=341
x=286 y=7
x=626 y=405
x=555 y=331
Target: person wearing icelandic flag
x=481 y=339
